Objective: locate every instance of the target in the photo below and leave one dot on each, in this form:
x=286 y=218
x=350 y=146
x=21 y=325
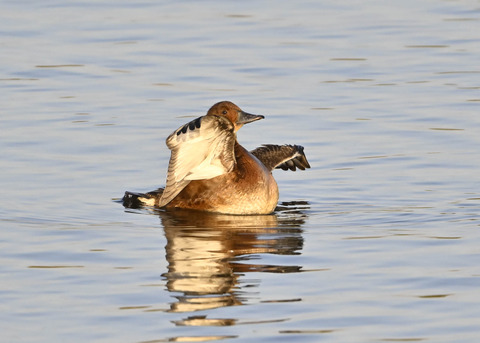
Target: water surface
x=377 y=242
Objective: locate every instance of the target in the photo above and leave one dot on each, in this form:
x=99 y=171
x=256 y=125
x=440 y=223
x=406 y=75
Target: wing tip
x=285 y=157
x=298 y=160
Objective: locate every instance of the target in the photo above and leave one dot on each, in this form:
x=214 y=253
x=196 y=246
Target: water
x=378 y=242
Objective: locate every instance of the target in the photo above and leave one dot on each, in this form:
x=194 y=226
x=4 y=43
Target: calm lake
x=378 y=242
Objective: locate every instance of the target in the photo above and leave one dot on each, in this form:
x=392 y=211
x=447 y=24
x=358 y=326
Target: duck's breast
x=248 y=189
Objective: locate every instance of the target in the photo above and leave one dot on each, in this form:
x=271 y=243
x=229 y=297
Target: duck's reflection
x=207 y=254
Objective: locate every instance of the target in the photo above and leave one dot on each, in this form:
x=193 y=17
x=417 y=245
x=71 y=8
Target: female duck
x=210 y=171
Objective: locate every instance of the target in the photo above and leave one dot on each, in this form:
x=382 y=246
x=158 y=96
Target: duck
x=210 y=171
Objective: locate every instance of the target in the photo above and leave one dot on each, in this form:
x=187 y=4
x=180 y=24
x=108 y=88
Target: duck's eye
x=224 y=112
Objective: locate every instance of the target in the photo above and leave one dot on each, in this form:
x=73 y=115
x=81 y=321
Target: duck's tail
x=136 y=200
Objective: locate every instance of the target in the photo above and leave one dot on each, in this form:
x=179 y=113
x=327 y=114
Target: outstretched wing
x=201 y=149
x=282 y=157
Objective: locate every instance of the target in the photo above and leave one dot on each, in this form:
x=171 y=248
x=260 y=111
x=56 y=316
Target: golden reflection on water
x=208 y=254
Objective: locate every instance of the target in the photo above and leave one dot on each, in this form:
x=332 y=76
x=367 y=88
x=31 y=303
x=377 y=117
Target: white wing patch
x=201 y=149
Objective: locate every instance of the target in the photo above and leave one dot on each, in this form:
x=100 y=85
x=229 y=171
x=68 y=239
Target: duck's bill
x=244 y=117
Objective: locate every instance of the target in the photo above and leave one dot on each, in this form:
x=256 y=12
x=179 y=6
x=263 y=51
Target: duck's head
x=233 y=113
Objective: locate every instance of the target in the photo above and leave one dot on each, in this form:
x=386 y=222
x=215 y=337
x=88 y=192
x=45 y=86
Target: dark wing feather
x=282 y=157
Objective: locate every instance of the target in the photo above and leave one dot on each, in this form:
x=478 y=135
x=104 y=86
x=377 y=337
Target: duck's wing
x=201 y=149
x=282 y=156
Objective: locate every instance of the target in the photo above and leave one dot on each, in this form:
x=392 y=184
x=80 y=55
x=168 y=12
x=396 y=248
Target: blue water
x=377 y=242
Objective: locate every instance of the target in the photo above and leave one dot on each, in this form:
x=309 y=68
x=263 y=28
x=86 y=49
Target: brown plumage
x=210 y=171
